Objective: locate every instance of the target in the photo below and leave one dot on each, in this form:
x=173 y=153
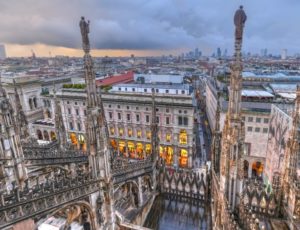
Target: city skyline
x=145 y=28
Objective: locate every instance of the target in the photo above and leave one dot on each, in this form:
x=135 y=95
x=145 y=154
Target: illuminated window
x=52 y=136
x=122 y=147
x=183 y=137
x=129 y=132
x=121 y=131
x=183 y=159
x=112 y=131
x=168 y=137
x=161 y=152
x=73 y=139
x=167 y=153
x=139 y=133
x=114 y=144
x=140 y=150
x=131 y=149
x=148 y=149
x=148 y=134
x=82 y=144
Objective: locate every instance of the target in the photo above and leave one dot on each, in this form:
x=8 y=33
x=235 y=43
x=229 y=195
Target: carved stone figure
x=84 y=28
x=239 y=22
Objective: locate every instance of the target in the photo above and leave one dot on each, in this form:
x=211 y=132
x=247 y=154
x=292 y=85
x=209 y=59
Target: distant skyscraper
x=219 y=52
x=196 y=53
x=283 y=54
x=2 y=51
x=225 y=53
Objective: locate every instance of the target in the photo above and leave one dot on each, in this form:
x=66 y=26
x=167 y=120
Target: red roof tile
x=116 y=79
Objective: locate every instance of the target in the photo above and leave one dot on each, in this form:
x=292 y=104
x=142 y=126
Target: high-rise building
x=225 y=53
x=2 y=51
x=219 y=52
x=283 y=54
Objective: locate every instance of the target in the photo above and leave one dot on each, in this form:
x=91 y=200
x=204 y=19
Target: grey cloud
x=155 y=24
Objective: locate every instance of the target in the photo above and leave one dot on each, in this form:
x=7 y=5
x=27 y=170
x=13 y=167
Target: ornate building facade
x=128 y=111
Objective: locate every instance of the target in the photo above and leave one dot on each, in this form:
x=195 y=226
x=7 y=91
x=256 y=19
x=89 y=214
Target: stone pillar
x=141 y=199
x=250 y=170
x=190 y=158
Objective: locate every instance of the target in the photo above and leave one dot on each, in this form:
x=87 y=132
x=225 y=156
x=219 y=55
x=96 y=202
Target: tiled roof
x=116 y=79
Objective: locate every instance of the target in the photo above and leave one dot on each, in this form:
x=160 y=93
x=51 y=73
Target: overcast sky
x=167 y=26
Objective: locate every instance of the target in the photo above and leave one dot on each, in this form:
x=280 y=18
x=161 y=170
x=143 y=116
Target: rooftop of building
x=271 y=77
x=115 y=79
x=155 y=86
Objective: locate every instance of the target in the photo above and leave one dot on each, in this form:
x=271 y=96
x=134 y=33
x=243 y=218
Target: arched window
x=112 y=130
x=169 y=155
x=148 y=149
x=131 y=149
x=46 y=135
x=140 y=150
x=183 y=159
x=122 y=147
x=53 y=136
x=139 y=133
x=39 y=134
x=168 y=137
x=82 y=144
x=257 y=169
x=121 y=132
x=114 y=144
x=148 y=134
x=129 y=132
x=183 y=137
x=73 y=139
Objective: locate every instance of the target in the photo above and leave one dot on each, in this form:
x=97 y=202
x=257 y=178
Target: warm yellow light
x=129 y=132
x=139 y=134
x=148 y=149
x=168 y=137
x=131 y=149
x=121 y=131
x=183 y=160
x=148 y=134
x=73 y=138
x=122 y=147
x=183 y=137
x=112 y=131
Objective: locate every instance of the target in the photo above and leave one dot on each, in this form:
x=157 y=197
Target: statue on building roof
x=240 y=18
x=84 y=28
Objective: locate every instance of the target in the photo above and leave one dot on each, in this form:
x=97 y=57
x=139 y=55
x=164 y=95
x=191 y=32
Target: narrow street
x=203 y=135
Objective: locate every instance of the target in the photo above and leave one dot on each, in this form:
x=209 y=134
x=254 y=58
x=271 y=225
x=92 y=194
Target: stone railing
x=50 y=154
x=124 y=169
x=184 y=184
x=256 y=199
x=22 y=204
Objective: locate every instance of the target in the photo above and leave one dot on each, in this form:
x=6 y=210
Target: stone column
x=141 y=199
x=250 y=170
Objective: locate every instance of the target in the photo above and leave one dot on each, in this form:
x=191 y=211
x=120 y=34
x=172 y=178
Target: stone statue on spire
x=240 y=18
x=85 y=29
